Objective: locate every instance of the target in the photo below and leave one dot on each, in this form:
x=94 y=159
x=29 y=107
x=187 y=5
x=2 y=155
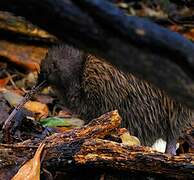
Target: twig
x=26 y=98
x=11 y=78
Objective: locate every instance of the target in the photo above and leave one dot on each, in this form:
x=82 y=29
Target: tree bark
x=63 y=145
x=22 y=30
x=133 y=44
x=79 y=147
x=109 y=154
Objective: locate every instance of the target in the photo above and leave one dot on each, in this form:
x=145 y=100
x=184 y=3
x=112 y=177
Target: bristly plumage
x=90 y=87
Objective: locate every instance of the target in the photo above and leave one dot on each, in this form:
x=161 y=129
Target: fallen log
x=136 y=45
x=79 y=147
x=60 y=147
x=22 y=30
x=109 y=154
x=24 y=55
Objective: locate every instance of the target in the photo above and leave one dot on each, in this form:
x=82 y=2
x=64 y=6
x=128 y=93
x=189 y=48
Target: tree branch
x=60 y=147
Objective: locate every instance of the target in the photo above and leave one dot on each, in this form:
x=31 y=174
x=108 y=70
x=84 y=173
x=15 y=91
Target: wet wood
x=60 y=147
x=109 y=154
x=133 y=44
x=21 y=28
x=24 y=55
x=80 y=147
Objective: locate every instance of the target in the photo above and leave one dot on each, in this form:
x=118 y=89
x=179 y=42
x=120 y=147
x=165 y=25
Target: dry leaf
x=12 y=97
x=45 y=99
x=64 y=113
x=188 y=33
x=127 y=138
x=31 y=169
x=38 y=108
x=4 y=81
x=29 y=80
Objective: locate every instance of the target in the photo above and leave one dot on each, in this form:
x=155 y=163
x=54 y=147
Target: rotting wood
x=26 y=56
x=109 y=154
x=18 y=26
x=60 y=147
x=79 y=147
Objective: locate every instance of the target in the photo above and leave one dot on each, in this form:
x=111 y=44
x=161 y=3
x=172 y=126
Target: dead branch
x=79 y=147
x=103 y=153
x=60 y=147
x=14 y=53
x=18 y=27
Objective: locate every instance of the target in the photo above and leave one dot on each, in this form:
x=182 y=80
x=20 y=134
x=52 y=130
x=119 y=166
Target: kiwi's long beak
x=42 y=79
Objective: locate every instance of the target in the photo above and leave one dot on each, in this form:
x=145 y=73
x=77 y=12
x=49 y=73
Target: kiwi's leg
x=171 y=146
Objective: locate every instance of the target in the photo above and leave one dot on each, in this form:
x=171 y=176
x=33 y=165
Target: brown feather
x=90 y=87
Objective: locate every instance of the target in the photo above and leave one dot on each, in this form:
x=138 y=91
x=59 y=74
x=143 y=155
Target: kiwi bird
x=89 y=86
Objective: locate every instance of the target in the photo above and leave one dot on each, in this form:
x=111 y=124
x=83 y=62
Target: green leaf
x=12 y=97
x=61 y=122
